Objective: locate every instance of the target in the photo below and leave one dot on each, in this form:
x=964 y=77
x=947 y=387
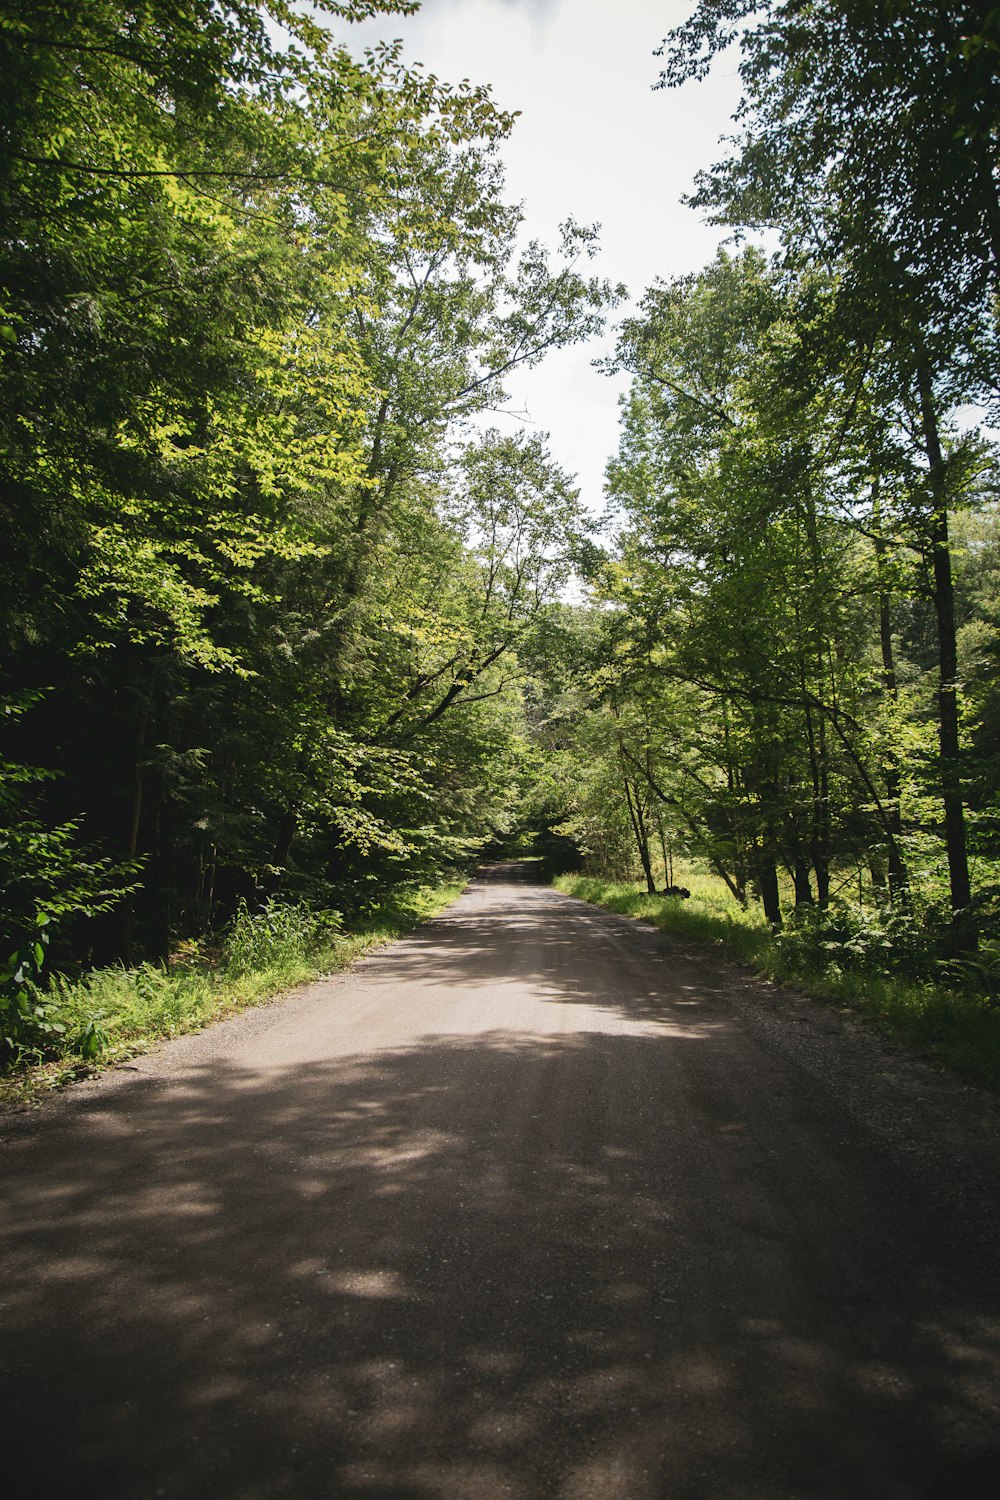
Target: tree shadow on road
x=374 y=1277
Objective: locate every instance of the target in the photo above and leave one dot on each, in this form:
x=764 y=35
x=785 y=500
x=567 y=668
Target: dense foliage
x=283 y=621
x=798 y=681
x=262 y=591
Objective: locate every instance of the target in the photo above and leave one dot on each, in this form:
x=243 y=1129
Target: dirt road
x=529 y=1204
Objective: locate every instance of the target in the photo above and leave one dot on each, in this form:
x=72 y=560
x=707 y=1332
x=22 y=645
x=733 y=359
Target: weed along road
x=531 y=1203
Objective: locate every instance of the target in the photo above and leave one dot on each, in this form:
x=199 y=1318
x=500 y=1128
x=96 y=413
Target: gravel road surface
x=533 y=1203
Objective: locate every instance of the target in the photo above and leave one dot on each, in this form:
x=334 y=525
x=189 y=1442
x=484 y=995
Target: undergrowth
x=108 y=1015
x=841 y=958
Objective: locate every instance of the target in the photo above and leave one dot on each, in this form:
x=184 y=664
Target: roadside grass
x=112 y=1014
x=959 y=1029
x=710 y=916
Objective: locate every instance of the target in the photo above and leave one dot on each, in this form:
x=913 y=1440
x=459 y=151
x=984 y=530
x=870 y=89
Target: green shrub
x=29 y=1023
x=846 y=937
x=109 y=1014
x=278 y=933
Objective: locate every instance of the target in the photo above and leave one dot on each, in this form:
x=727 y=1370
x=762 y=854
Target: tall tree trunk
x=813 y=644
x=762 y=782
x=665 y=850
x=963 y=938
x=800 y=877
x=286 y=836
x=135 y=813
x=639 y=831
x=638 y=821
x=135 y=818
x=208 y=894
x=768 y=880
x=737 y=890
x=821 y=823
x=818 y=817
x=741 y=863
x=896 y=865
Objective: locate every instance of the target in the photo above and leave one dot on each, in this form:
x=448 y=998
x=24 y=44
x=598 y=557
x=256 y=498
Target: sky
x=593 y=142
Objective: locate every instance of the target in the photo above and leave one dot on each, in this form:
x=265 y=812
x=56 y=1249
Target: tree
x=251 y=290
x=869 y=143
x=872 y=127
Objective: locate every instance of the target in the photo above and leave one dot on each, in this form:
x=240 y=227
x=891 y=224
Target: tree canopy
x=263 y=587
x=283 y=615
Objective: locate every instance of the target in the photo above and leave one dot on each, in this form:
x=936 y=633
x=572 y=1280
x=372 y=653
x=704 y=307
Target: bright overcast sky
x=595 y=143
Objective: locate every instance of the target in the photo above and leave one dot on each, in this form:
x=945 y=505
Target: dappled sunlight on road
x=546 y=1249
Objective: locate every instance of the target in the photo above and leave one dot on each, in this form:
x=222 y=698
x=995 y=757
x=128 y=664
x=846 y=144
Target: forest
x=289 y=630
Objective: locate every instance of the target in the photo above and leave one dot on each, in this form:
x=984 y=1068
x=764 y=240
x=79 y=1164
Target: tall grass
x=710 y=915
x=111 y=1014
x=957 y=1026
